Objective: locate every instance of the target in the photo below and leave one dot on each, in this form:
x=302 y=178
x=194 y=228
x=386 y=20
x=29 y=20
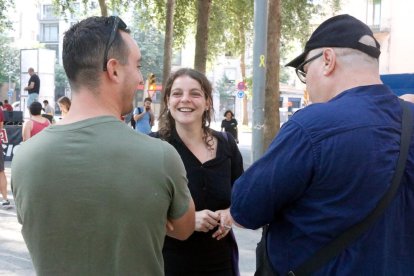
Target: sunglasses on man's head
x=117 y=24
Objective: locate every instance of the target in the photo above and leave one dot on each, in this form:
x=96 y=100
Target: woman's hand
x=226 y=222
x=206 y=220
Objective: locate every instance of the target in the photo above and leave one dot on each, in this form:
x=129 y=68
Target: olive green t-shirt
x=93 y=198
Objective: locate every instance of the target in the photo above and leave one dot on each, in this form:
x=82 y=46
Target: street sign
x=241 y=86
x=240 y=94
x=10 y=93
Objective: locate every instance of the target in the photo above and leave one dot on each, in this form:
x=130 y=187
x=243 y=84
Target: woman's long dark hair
x=169 y=122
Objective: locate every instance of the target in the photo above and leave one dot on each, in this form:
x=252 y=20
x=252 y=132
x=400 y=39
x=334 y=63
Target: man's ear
x=112 y=70
x=329 y=61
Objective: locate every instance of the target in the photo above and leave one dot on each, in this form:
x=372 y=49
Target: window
x=48 y=12
x=295 y=102
x=176 y=59
x=374 y=13
x=50 y=32
x=54 y=47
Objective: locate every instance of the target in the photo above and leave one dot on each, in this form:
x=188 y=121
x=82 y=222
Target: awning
x=399 y=83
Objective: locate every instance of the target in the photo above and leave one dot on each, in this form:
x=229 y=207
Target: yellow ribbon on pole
x=262 y=61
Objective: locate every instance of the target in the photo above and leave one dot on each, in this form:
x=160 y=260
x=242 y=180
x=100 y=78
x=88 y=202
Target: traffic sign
x=241 y=86
x=240 y=94
x=10 y=93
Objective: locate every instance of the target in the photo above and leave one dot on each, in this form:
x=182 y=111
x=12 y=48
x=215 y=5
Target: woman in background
x=36 y=123
x=229 y=124
x=213 y=162
x=64 y=105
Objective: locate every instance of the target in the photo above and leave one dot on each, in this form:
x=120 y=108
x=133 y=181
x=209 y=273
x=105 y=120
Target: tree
x=61 y=81
x=151 y=42
x=203 y=14
x=5 y=5
x=9 y=61
x=168 y=46
x=239 y=17
x=288 y=21
x=272 y=93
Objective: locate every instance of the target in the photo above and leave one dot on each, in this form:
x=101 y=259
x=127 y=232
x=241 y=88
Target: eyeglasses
x=300 y=72
x=118 y=24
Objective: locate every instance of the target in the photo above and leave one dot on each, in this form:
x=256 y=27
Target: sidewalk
x=14 y=257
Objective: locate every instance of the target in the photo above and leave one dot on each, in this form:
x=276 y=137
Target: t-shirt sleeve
x=177 y=179
x=136 y=111
x=276 y=180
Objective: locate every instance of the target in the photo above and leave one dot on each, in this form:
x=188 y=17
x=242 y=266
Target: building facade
x=390 y=22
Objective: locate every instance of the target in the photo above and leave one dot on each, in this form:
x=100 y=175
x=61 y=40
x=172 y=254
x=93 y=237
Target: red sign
x=156 y=88
x=241 y=86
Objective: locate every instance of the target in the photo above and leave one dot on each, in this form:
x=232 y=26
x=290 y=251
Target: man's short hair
x=46 y=102
x=6 y=101
x=148 y=99
x=84 y=49
x=341 y=31
x=35 y=108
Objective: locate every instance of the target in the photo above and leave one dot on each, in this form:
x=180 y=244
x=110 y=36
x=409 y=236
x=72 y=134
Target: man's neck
x=88 y=104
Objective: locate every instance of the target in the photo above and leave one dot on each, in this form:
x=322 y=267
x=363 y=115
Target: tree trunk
x=203 y=14
x=169 y=27
x=104 y=8
x=272 y=93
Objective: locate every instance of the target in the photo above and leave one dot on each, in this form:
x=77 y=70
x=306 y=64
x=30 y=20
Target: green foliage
x=5 y=5
x=249 y=86
x=296 y=15
x=225 y=87
x=236 y=25
x=9 y=61
x=61 y=80
x=185 y=21
x=151 y=43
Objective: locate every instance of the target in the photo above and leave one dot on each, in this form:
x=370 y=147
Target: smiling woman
x=213 y=162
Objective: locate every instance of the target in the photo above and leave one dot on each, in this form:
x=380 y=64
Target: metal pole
x=10 y=89
x=259 y=76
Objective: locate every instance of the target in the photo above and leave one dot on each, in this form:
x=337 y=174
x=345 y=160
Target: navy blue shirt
x=325 y=171
x=34 y=78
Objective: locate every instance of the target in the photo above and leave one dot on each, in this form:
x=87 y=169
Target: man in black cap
x=331 y=164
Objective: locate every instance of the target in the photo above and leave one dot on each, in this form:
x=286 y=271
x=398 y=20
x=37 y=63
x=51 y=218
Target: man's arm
x=26 y=130
x=30 y=86
x=138 y=116
x=183 y=227
x=181 y=213
x=275 y=180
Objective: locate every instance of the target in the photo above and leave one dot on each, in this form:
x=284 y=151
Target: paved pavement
x=15 y=259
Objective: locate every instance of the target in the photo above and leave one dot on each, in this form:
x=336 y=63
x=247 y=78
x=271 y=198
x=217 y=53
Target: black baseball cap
x=342 y=31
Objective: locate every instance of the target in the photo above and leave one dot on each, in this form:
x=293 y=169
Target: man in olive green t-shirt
x=93 y=196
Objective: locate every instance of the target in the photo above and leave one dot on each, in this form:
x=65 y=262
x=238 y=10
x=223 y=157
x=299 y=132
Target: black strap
x=332 y=249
